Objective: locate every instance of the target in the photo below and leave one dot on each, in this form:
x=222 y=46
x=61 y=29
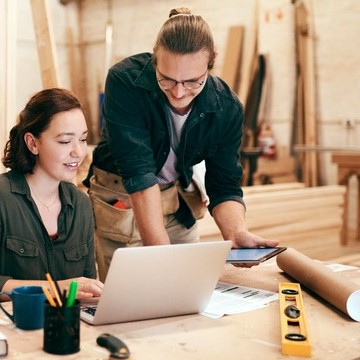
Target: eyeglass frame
x=175 y=82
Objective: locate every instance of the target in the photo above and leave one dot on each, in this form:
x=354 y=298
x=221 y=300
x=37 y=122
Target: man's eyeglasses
x=168 y=84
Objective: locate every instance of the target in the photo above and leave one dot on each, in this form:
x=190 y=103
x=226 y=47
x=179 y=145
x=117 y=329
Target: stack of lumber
x=289 y=212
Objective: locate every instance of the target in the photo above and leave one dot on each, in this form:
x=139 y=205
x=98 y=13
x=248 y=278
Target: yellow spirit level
x=294 y=334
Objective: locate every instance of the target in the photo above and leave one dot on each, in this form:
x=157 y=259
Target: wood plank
x=232 y=60
x=82 y=90
x=290 y=217
x=312 y=238
x=72 y=59
x=310 y=102
x=250 y=58
x=306 y=106
x=45 y=44
x=271 y=187
x=284 y=205
x=306 y=192
x=296 y=204
x=279 y=232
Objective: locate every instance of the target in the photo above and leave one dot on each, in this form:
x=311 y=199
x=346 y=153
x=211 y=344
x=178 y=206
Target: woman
x=46 y=222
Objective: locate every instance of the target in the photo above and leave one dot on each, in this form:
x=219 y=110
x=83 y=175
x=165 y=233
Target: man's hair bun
x=180 y=11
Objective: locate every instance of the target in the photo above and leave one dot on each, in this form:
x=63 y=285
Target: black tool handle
x=117 y=347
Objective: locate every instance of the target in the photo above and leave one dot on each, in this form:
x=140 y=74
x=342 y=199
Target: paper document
x=340 y=267
x=228 y=299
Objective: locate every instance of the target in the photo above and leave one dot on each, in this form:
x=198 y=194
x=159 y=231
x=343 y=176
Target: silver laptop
x=158 y=281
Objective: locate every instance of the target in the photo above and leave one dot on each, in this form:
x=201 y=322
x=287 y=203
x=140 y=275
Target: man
x=171 y=130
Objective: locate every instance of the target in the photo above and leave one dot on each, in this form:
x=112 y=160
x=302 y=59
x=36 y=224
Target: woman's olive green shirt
x=26 y=250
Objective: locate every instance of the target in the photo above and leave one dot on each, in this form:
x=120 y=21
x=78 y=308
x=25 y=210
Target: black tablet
x=252 y=255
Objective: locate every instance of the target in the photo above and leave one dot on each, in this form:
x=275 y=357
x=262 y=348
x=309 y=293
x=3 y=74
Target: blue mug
x=28 y=307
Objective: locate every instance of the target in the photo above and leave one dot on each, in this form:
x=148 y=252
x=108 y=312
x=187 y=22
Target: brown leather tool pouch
x=115 y=223
x=111 y=222
x=170 y=200
x=194 y=201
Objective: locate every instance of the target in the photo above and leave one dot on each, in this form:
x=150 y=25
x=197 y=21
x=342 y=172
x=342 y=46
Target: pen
x=58 y=291
x=72 y=294
x=48 y=296
x=64 y=295
x=53 y=289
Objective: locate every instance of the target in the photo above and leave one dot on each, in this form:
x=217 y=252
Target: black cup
x=62 y=329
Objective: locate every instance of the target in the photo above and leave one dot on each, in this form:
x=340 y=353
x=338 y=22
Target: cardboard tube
x=331 y=286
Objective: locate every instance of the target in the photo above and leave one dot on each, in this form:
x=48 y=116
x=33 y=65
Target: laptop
x=150 y=282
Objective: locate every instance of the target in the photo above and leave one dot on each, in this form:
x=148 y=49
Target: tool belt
x=193 y=200
x=119 y=224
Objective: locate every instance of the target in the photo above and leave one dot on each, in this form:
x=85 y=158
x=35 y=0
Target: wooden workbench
x=250 y=335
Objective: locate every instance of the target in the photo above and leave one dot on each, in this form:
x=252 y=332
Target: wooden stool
x=348 y=164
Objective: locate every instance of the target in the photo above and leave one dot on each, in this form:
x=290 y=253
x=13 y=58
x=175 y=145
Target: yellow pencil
x=53 y=289
x=48 y=296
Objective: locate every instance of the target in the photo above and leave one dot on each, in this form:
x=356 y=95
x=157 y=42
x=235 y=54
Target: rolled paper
x=344 y=294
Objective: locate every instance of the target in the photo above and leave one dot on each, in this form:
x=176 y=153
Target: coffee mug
x=28 y=307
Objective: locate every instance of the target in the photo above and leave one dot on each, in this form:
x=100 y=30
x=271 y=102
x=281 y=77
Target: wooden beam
x=310 y=102
x=306 y=115
x=256 y=189
x=251 y=58
x=45 y=44
x=232 y=60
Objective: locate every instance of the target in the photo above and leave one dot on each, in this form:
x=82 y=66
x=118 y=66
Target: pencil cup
x=62 y=329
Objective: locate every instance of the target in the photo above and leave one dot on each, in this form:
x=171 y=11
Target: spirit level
x=294 y=334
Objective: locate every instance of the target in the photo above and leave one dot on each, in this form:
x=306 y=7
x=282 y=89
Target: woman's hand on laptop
x=87 y=288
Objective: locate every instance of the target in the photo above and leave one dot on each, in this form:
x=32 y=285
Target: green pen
x=72 y=294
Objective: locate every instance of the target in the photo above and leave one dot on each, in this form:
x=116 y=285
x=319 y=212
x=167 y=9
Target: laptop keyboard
x=90 y=310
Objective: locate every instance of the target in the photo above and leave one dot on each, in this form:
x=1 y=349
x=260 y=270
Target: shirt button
x=22 y=250
x=202 y=115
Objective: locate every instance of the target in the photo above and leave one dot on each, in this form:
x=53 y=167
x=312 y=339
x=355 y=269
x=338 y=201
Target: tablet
x=252 y=255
